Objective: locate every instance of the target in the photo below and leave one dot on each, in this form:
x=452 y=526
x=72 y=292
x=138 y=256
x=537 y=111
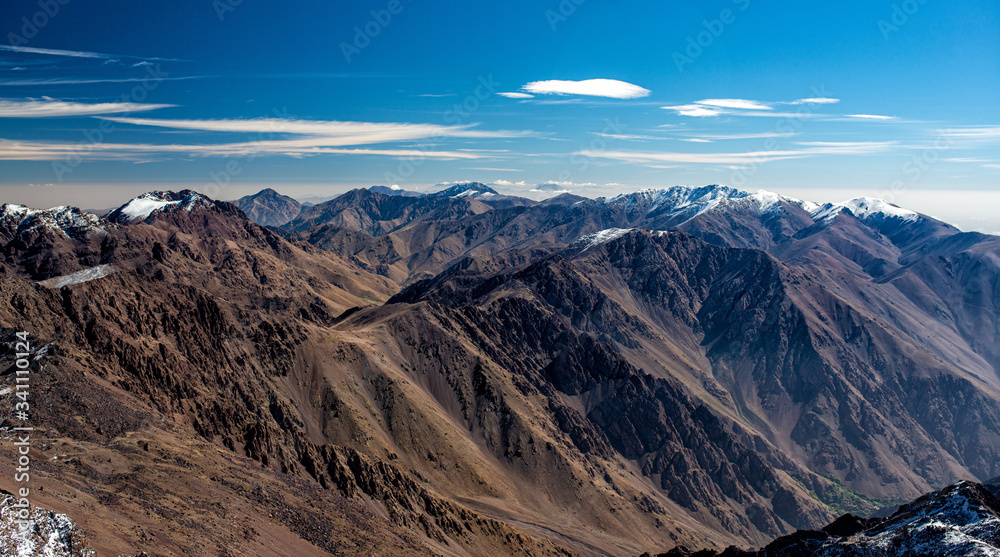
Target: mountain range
x=470 y=373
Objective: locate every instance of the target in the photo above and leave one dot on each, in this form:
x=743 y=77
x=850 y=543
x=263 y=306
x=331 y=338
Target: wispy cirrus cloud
x=743 y=107
x=708 y=137
x=869 y=117
x=287 y=137
x=78 y=54
x=336 y=133
x=695 y=110
x=814 y=100
x=52 y=108
x=516 y=95
x=493 y=169
x=627 y=136
x=610 y=88
x=55 y=52
x=743 y=104
x=972 y=132
x=88 y=81
x=811 y=149
x=55 y=151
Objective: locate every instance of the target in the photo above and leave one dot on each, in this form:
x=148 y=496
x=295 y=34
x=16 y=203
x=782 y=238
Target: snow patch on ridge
x=591 y=241
x=78 y=277
x=140 y=209
x=53 y=535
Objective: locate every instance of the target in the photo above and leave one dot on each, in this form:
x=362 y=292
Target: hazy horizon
x=969 y=210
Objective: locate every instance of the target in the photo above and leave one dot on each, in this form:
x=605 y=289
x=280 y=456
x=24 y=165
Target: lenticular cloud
x=611 y=88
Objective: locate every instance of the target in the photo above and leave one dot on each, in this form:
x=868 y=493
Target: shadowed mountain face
x=549 y=381
x=963 y=519
x=768 y=344
x=269 y=208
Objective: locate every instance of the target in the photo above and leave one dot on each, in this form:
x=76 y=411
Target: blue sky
x=101 y=100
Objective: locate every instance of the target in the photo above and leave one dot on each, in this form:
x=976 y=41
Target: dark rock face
x=269 y=208
x=963 y=519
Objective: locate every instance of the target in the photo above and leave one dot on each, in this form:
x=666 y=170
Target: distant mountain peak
x=470 y=189
x=141 y=208
x=269 y=208
x=68 y=221
x=865 y=208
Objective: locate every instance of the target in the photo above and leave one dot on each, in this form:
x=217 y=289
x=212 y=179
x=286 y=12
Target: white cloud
x=278 y=136
x=972 y=132
x=508 y=183
x=626 y=137
x=556 y=186
x=695 y=110
x=53 y=52
x=46 y=82
x=322 y=133
x=744 y=107
x=870 y=117
x=51 y=108
x=48 y=151
x=515 y=95
x=742 y=104
x=707 y=138
x=815 y=100
x=846 y=147
x=813 y=149
x=610 y=88
x=76 y=53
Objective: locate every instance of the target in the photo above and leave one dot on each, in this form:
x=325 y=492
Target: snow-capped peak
x=687 y=202
x=148 y=204
x=864 y=208
x=474 y=190
x=69 y=221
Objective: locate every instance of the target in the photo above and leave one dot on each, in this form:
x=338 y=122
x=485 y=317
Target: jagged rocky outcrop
x=44 y=533
x=963 y=519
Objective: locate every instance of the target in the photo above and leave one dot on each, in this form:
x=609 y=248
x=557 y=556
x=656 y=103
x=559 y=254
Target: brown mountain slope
x=629 y=392
x=825 y=381
x=197 y=343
